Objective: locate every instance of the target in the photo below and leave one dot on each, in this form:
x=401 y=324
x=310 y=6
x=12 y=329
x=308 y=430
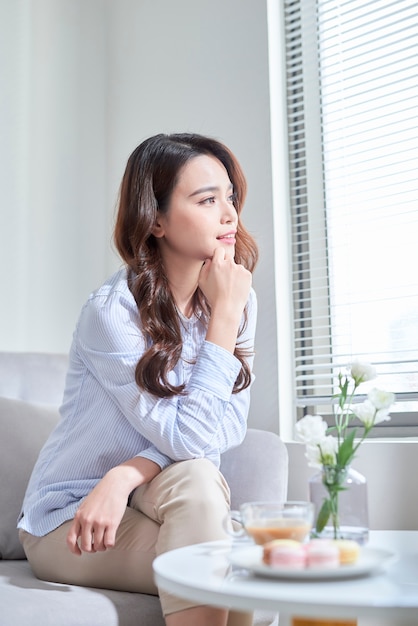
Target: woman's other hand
x=98 y=517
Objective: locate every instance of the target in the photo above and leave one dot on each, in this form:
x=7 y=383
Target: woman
x=158 y=382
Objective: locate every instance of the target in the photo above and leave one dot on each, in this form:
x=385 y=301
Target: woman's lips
x=229 y=238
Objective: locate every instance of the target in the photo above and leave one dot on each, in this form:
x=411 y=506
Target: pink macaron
x=288 y=556
x=322 y=554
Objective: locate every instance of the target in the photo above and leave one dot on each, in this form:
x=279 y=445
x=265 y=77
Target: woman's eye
x=209 y=200
x=232 y=198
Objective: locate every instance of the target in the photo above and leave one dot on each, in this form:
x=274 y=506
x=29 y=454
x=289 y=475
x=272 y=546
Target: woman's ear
x=158 y=230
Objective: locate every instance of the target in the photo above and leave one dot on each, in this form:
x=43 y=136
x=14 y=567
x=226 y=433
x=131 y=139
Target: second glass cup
x=266 y=521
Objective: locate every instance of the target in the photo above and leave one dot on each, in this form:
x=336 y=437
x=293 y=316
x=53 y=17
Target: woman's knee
x=199 y=480
x=195 y=490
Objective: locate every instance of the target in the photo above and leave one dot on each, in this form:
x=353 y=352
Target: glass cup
x=265 y=521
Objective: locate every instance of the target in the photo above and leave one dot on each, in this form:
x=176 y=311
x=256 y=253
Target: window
x=352 y=106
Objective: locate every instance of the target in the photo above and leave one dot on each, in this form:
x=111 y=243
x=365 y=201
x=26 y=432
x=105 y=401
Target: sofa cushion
x=24 y=428
x=27 y=601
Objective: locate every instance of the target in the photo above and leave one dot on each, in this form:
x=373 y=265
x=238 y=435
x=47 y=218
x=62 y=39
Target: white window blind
x=352 y=88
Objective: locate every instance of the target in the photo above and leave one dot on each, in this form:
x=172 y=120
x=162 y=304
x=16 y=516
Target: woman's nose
x=229 y=214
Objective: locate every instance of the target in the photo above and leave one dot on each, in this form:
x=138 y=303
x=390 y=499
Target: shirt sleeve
x=155 y=455
x=205 y=421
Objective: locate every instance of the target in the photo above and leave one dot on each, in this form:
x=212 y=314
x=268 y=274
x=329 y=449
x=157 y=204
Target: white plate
x=369 y=561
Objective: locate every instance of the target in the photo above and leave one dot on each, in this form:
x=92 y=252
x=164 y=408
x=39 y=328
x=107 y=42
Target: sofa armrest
x=257 y=469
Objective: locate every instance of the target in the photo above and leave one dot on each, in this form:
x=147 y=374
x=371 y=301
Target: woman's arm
x=109 y=342
x=99 y=515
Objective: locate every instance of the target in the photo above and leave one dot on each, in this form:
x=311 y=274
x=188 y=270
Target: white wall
x=53 y=228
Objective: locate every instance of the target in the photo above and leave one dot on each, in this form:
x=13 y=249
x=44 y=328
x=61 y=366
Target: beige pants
x=185 y=504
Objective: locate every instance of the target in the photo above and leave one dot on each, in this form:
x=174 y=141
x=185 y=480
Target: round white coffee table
x=203 y=573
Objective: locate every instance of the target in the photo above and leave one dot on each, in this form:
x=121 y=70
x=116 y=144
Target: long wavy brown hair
x=150 y=176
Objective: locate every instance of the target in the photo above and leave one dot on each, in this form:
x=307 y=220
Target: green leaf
x=346 y=450
x=323 y=516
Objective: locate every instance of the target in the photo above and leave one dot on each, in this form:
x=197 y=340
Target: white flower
x=366 y=412
x=381 y=416
x=328 y=448
x=362 y=372
x=311 y=429
x=381 y=399
x=313 y=454
x=322 y=453
x=369 y=415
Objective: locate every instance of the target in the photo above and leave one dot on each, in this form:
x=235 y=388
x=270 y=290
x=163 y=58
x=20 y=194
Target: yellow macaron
x=349 y=550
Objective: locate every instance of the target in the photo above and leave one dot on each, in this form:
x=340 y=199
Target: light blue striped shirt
x=106 y=419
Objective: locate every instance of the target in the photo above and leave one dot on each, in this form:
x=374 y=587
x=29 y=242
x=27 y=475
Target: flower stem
x=334 y=512
x=333 y=479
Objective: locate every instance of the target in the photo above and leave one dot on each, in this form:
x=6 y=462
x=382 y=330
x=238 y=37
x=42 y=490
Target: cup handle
x=234 y=516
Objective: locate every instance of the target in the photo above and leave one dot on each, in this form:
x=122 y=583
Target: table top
x=203 y=573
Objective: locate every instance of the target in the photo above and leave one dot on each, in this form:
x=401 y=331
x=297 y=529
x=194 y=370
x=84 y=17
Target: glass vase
x=345 y=490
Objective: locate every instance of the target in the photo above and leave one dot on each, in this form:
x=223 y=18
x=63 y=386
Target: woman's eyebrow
x=206 y=189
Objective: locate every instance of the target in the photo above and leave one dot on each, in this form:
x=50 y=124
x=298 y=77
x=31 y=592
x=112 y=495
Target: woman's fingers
x=72 y=537
x=224 y=281
x=86 y=538
x=109 y=538
x=92 y=532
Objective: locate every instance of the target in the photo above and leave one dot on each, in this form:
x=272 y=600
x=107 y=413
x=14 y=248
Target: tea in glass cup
x=266 y=521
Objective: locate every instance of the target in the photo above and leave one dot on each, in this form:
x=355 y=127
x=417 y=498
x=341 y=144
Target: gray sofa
x=31 y=387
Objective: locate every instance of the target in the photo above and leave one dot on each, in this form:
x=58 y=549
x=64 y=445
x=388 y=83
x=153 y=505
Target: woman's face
x=200 y=216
